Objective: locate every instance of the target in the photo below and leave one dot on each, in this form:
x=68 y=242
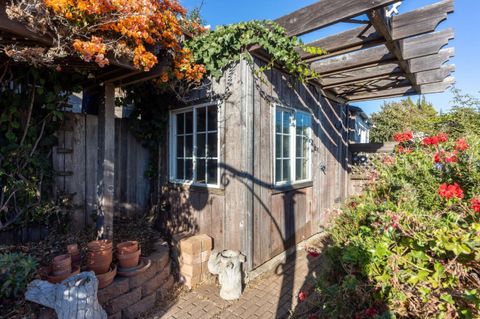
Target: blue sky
x=465 y=20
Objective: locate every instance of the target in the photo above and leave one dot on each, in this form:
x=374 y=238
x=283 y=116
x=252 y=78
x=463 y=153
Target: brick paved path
x=273 y=295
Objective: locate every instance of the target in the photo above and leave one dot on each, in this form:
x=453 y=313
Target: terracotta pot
x=99 y=261
x=55 y=279
x=99 y=245
x=62 y=265
x=107 y=278
x=127 y=261
x=127 y=247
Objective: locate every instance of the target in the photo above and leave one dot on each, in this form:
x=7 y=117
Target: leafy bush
x=16 y=271
x=409 y=246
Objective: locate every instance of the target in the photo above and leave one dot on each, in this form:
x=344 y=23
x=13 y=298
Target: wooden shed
x=258 y=164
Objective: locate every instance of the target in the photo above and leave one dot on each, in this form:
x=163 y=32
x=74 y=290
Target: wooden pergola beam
x=438 y=87
x=326 y=12
x=360 y=74
x=352 y=39
x=353 y=60
x=433 y=76
x=19 y=29
x=382 y=25
x=423 y=20
x=431 y=62
x=417 y=22
x=426 y=44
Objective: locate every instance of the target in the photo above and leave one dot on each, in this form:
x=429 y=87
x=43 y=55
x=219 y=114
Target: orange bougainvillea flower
x=137 y=29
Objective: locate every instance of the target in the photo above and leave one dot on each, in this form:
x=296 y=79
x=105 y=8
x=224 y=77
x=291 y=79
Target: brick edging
x=127 y=298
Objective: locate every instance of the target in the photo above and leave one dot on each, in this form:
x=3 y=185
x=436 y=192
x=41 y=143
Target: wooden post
x=106 y=163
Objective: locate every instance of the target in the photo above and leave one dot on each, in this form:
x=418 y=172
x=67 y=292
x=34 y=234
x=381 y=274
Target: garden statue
x=227 y=265
x=73 y=298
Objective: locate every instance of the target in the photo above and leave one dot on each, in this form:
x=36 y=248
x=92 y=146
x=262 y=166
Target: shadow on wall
x=176 y=214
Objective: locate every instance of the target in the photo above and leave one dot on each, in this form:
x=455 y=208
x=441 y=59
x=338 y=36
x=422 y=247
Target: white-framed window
x=293 y=151
x=194 y=145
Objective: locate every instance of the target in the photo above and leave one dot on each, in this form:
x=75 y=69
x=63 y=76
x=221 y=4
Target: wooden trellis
x=385 y=57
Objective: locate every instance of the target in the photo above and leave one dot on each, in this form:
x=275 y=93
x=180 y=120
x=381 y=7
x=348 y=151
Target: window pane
x=212 y=118
x=278 y=171
x=299 y=147
x=212 y=145
x=286 y=146
x=286 y=122
x=212 y=170
x=201 y=171
x=180 y=145
x=189 y=122
x=189 y=146
x=201 y=119
x=201 y=144
x=278 y=146
x=180 y=124
x=286 y=170
x=278 y=122
x=188 y=170
x=301 y=169
x=180 y=170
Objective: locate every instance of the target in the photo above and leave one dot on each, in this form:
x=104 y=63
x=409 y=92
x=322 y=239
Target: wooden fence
x=76 y=163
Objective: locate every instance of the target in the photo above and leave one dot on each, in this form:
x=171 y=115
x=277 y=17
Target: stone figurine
x=73 y=298
x=227 y=265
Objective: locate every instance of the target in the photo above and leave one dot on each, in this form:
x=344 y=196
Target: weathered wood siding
x=284 y=218
x=280 y=219
x=75 y=160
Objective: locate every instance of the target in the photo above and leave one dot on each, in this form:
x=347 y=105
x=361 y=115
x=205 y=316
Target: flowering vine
x=132 y=31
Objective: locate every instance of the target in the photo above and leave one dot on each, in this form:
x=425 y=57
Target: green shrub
x=409 y=246
x=16 y=271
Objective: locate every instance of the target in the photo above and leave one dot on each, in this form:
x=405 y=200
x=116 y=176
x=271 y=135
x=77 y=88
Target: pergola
x=385 y=56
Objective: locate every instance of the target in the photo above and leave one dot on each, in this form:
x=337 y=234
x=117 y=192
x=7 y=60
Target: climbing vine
x=31 y=103
x=220 y=48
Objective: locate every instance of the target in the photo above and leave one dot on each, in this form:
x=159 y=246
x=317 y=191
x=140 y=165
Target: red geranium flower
x=450 y=191
x=403 y=137
x=313 y=254
x=312 y=317
x=461 y=145
x=476 y=205
x=442 y=137
x=302 y=296
x=452 y=158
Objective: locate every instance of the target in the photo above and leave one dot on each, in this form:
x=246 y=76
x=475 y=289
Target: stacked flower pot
x=61 y=268
x=128 y=256
x=99 y=260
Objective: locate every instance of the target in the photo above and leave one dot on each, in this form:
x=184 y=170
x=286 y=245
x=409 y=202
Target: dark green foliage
x=220 y=48
x=30 y=112
x=16 y=271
